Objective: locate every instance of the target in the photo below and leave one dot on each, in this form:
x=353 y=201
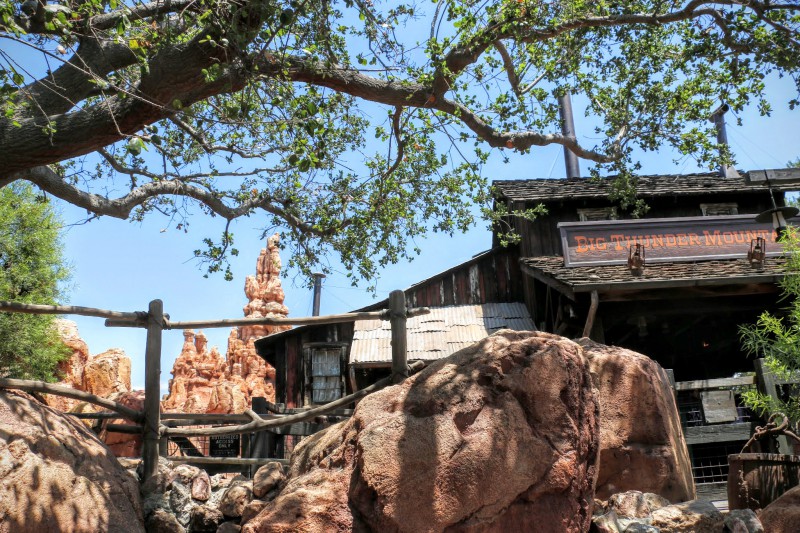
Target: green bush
x=32 y=270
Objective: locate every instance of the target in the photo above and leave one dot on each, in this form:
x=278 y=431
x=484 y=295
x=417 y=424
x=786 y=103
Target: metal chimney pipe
x=317 y=291
x=718 y=118
x=568 y=130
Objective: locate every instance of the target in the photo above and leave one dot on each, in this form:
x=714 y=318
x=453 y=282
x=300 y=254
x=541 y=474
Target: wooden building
x=685 y=306
x=314 y=365
x=674 y=285
x=570 y=274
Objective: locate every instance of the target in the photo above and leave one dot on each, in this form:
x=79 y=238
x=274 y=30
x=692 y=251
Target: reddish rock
x=70 y=370
x=205 y=382
x=782 y=515
x=689 y=517
x=55 y=475
x=124 y=444
x=235 y=499
x=500 y=436
x=641 y=441
x=267 y=478
x=107 y=373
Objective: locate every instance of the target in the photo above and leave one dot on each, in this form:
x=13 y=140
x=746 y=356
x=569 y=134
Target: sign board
x=224 y=446
x=664 y=239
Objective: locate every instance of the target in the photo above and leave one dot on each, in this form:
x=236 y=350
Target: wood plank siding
x=493 y=277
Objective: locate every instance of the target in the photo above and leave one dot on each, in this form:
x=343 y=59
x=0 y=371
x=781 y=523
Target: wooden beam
x=124 y=428
x=701 y=384
x=312 y=320
x=68 y=392
x=563 y=288
x=397 y=317
x=152 y=389
x=679 y=293
x=777 y=177
x=767 y=384
x=587 y=329
x=258 y=425
x=717 y=433
x=227 y=460
x=36 y=309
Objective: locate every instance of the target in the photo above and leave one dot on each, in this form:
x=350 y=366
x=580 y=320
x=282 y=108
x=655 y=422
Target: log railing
x=155 y=321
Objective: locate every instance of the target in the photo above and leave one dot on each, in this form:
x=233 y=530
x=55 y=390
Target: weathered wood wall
x=494 y=276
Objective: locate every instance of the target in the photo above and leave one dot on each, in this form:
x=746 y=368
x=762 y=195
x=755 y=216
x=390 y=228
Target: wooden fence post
x=152 y=389
x=397 y=317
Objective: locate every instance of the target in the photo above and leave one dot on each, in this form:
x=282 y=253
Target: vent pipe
x=317 y=291
x=568 y=130
x=718 y=118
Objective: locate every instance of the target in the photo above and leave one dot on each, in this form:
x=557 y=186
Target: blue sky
x=122 y=265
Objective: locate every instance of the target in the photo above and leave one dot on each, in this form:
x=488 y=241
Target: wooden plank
x=152 y=389
x=700 y=384
x=717 y=433
x=719 y=406
x=227 y=460
x=780 y=176
x=712 y=491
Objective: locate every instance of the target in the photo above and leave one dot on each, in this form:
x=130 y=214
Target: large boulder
x=55 y=475
x=641 y=441
x=501 y=436
x=782 y=515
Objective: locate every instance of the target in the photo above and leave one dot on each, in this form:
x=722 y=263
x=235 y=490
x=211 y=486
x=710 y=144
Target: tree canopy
x=31 y=271
x=358 y=124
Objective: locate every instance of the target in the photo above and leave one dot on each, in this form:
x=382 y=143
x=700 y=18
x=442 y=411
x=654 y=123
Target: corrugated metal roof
x=436 y=335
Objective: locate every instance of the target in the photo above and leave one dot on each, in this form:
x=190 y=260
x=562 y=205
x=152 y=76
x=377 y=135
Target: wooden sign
x=224 y=445
x=664 y=239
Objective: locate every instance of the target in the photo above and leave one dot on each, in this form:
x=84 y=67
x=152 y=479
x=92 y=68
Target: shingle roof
x=656 y=275
x=543 y=190
x=436 y=335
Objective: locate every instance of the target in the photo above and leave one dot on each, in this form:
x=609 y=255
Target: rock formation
x=57 y=476
x=104 y=375
x=783 y=515
x=500 y=436
x=204 y=382
x=641 y=441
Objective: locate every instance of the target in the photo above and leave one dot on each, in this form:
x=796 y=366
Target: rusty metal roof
x=708 y=183
x=436 y=335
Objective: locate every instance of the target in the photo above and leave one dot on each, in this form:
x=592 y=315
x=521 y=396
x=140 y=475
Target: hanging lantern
x=636 y=259
x=758 y=251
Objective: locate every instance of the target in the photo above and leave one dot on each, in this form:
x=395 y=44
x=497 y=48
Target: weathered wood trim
x=701 y=384
x=717 y=433
x=674 y=283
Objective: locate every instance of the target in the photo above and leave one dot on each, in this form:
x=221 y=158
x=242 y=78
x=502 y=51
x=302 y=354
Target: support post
x=152 y=389
x=397 y=314
x=587 y=329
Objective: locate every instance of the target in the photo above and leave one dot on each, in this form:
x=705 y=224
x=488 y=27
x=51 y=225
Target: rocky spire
x=204 y=382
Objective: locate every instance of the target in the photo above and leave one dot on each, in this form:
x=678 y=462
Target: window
x=713 y=210
x=324 y=375
x=597 y=213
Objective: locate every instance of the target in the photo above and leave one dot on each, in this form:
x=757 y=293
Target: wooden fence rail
x=156 y=321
